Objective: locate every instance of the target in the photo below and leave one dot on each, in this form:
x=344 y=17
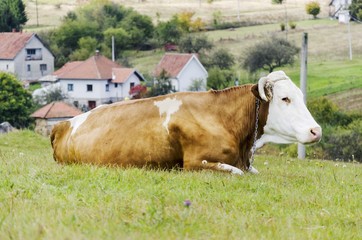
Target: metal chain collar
x=253 y=149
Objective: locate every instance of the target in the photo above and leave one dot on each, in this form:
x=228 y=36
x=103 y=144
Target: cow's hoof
x=253 y=170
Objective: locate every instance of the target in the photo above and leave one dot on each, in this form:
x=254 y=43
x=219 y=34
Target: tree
x=15 y=102
x=313 y=8
x=219 y=78
x=169 y=32
x=195 y=44
x=87 y=47
x=222 y=59
x=197 y=85
x=356 y=9
x=51 y=93
x=94 y=24
x=12 y=15
x=161 y=86
x=270 y=54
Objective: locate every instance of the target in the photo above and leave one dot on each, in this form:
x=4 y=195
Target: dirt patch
x=349 y=101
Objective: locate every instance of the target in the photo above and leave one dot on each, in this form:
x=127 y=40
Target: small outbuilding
x=47 y=116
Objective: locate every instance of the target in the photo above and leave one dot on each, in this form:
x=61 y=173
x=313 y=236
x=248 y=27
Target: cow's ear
x=255 y=91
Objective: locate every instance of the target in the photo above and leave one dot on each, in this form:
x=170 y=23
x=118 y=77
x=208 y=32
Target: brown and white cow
x=191 y=130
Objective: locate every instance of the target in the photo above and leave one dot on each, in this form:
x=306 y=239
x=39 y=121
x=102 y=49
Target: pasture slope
x=330 y=73
x=290 y=199
x=50 y=12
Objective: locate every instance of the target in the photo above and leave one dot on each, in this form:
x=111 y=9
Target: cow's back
x=126 y=134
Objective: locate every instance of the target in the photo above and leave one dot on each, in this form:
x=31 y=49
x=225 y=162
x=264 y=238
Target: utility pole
x=303 y=83
x=37 y=15
x=113 y=54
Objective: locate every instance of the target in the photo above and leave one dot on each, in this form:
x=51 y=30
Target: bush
x=313 y=8
x=292 y=25
x=345 y=143
x=356 y=9
x=16 y=103
x=282 y=27
x=342 y=133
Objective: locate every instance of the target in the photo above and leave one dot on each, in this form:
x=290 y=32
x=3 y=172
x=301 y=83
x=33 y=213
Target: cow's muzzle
x=315 y=134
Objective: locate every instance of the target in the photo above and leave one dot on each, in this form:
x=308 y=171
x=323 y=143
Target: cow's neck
x=238 y=114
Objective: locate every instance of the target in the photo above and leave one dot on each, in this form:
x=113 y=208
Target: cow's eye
x=286 y=99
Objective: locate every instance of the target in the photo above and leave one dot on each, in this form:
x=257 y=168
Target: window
x=70 y=87
x=43 y=67
x=116 y=85
x=30 y=51
x=29 y=67
x=89 y=88
x=107 y=87
x=33 y=54
x=7 y=66
x=131 y=85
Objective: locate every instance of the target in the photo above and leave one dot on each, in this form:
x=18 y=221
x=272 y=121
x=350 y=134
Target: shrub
x=282 y=27
x=313 y=8
x=345 y=143
x=342 y=132
x=16 y=103
x=292 y=25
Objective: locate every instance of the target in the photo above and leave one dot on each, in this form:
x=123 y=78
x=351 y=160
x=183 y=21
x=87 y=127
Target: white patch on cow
x=229 y=168
x=204 y=162
x=77 y=121
x=253 y=170
x=168 y=107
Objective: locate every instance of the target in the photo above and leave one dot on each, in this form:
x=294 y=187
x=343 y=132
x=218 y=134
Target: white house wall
x=192 y=71
x=99 y=93
x=21 y=64
x=7 y=66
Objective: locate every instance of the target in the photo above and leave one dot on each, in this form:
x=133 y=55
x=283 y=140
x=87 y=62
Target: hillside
x=330 y=70
x=261 y=11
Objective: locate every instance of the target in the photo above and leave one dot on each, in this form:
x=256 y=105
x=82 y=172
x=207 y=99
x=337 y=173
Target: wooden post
x=303 y=83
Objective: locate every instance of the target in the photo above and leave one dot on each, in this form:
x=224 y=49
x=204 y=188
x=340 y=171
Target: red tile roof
x=12 y=43
x=172 y=63
x=95 y=67
x=121 y=75
x=56 y=110
x=66 y=68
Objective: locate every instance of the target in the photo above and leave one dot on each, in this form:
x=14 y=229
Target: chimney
x=13 y=30
x=97 y=53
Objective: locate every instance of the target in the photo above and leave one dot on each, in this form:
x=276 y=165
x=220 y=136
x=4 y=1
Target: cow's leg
x=253 y=170
x=226 y=167
x=217 y=166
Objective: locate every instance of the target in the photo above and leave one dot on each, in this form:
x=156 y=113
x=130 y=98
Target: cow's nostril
x=316 y=133
x=312 y=131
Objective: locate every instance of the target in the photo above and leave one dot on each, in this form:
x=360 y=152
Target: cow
x=213 y=130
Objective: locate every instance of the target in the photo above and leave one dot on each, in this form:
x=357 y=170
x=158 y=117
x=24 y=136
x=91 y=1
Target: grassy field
x=290 y=199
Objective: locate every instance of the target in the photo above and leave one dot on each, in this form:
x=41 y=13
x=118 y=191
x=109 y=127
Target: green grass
x=290 y=199
x=325 y=78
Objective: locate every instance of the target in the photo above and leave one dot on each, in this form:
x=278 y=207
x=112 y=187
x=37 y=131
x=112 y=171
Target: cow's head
x=288 y=119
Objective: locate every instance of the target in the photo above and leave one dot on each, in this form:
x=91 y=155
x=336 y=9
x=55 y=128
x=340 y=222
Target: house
x=47 y=116
x=183 y=69
x=337 y=7
x=95 y=81
x=25 y=55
